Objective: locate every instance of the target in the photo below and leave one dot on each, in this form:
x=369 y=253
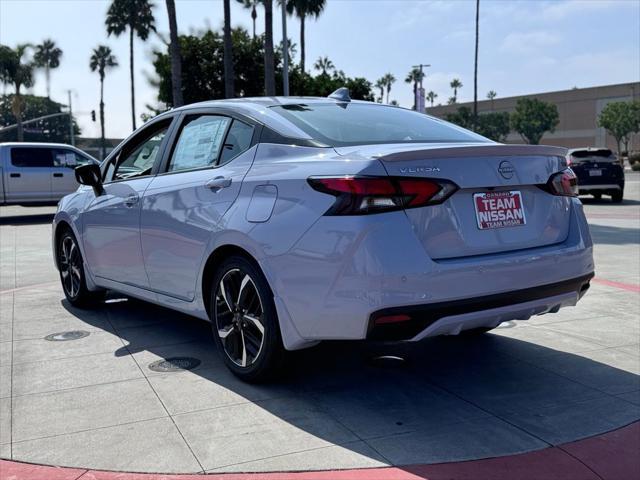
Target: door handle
x=218 y=183
x=131 y=200
x=58 y=175
x=14 y=175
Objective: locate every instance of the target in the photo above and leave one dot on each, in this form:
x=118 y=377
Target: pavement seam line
x=559 y=447
x=13 y=316
x=202 y=470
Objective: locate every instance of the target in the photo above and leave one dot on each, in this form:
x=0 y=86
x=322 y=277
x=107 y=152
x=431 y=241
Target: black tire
x=617 y=197
x=597 y=195
x=71 y=268
x=242 y=312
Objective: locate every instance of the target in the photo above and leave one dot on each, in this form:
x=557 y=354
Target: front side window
x=137 y=157
x=26 y=157
x=199 y=144
x=341 y=125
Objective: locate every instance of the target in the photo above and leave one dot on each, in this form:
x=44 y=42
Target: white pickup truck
x=38 y=173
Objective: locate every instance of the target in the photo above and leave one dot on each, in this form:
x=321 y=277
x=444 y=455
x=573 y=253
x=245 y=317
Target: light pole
x=285 y=52
x=419 y=100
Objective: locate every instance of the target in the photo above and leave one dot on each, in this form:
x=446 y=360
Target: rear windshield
x=341 y=125
x=601 y=155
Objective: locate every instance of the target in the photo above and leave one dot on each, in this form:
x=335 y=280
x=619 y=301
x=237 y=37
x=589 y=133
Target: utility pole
x=285 y=52
x=71 y=138
x=419 y=100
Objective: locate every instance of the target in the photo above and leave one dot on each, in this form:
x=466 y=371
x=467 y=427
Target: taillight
x=564 y=183
x=362 y=195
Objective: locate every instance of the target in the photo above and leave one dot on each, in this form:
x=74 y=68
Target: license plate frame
x=595 y=172
x=507 y=205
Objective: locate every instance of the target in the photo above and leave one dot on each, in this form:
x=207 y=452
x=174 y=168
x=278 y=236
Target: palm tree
x=176 y=61
x=431 y=96
x=304 y=9
x=388 y=80
x=323 y=64
x=228 y=52
x=380 y=84
x=137 y=16
x=475 y=67
x=491 y=94
x=47 y=56
x=254 y=14
x=269 y=64
x=414 y=76
x=102 y=59
x=455 y=84
x=15 y=72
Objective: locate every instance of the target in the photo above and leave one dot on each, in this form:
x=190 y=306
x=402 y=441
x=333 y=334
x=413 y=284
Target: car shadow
x=39 y=218
x=608 y=235
x=606 y=200
x=443 y=399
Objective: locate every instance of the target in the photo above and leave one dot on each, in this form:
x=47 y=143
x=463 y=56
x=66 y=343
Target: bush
x=636 y=167
x=634 y=158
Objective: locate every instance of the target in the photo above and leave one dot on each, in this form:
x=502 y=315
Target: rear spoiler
x=492 y=150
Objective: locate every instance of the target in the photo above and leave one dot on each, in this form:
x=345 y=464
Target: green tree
x=324 y=65
x=475 y=63
x=380 y=84
x=18 y=73
x=491 y=94
x=54 y=129
x=455 y=84
x=303 y=9
x=532 y=118
x=415 y=76
x=228 y=52
x=47 y=56
x=137 y=17
x=388 y=80
x=101 y=60
x=494 y=125
x=174 y=49
x=620 y=119
x=431 y=96
x=269 y=60
x=252 y=4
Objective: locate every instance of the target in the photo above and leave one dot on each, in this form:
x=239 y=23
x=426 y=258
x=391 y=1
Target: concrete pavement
x=94 y=403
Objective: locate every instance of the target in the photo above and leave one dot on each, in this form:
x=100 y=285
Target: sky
x=527 y=46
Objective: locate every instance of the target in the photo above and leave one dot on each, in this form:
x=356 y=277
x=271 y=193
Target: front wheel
x=71 y=267
x=245 y=322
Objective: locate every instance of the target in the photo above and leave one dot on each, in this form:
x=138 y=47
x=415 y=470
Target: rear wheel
x=597 y=195
x=244 y=321
x=617 y=197
x=71 y=267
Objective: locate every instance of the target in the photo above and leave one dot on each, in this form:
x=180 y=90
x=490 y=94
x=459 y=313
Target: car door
x=111 y=222
x=28 y=176
x=185 y=203
x=63 y=179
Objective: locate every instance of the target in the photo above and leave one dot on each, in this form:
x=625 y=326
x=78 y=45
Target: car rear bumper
x=450 y=318
x=345 y=269
x=601 y=187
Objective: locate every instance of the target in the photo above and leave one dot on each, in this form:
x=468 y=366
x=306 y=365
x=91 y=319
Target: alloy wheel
x=239 y=317
x=70 y=266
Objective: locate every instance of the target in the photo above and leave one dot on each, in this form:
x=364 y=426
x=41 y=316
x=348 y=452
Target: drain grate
x=175 y=364
x=66 y=336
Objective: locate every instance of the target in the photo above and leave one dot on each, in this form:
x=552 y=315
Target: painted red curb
x=610 y=456
x=624 y=286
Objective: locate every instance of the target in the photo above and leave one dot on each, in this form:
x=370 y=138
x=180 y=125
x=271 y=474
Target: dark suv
x=599 y=172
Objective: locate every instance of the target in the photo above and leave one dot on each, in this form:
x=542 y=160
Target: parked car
x=287 y=221
x=599 y=172
x=38 y=173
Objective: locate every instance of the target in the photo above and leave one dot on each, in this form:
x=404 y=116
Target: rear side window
x=26 y=157
x=199 y=143
x=238 y=140
x=341 y=125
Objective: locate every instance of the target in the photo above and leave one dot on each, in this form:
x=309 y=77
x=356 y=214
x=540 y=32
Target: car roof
x=37 y=144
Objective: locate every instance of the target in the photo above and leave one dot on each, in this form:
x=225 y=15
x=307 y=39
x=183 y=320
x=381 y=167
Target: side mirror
x=90 y=175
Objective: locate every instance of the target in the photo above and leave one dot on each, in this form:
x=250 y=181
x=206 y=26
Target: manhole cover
x=175 y=364
x=66 y=336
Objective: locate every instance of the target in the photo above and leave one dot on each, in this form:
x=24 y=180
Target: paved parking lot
x=93 y=402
